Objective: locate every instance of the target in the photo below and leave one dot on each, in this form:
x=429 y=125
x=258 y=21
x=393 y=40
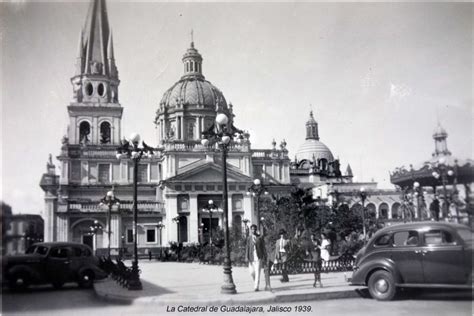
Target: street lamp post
x=245 y=220
x=109 y=200
x=442 y=170
x=417 y=192
x=160 y=227
x=222 y=133
x=130 y=149
x=95 y=228
x=176 y=220
x=257 y=189
x=211 y=207
x=363 y=197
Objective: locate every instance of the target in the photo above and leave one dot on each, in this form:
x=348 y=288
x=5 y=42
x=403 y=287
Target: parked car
x=55 y=263
x=420 y=254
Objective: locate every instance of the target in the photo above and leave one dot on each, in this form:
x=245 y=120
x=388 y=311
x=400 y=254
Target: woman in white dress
x=325 y=245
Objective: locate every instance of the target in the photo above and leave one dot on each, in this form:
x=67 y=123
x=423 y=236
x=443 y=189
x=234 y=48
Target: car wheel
x=382 y=285
x=19 y=281
x=86 y=279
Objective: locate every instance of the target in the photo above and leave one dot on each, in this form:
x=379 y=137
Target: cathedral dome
x=192 y=89
x=312 y=148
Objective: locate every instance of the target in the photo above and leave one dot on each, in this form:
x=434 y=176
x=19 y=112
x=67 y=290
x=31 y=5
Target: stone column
x=115 y=236
x=193 y=218
x=171 y=212
x=248 y=209
x=62 y=227
x=50 y=217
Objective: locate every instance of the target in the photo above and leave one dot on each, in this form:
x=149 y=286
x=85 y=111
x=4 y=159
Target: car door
x=58 y=264
x=407 y=257
x=443 y=258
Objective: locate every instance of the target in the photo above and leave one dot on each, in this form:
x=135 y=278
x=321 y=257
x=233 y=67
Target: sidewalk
x=167 y=283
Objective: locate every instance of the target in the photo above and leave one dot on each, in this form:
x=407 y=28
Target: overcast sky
x=377 y=76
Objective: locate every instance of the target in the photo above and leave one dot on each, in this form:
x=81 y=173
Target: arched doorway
x=82 y=233
x=383 y=211
x=371 y=210
x=396 y=210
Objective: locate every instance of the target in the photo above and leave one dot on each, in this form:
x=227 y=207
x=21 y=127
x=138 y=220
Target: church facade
x=176 y=184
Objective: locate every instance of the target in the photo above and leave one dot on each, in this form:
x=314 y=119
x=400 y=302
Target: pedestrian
x=325 y=246
x=255 y=255
x=434 y=209
x=282 y=246
x=314 y=253
x=270 y=250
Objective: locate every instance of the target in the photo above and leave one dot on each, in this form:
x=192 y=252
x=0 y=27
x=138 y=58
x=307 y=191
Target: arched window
x=84 y=132
x=237 y=223
x=105 y=133
x=323 y=164
x=191 y=127
x=371 y=210
x=396 y=210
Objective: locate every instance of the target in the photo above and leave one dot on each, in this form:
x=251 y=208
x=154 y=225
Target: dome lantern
x=441 y=146
x=312 y=128
x=312 y=148
x=192 y=61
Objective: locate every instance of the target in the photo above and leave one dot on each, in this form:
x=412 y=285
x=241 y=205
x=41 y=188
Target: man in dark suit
x=255 y=255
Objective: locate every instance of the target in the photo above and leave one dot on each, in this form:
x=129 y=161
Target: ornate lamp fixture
x=256 y=190
x=224 y=133
x=109 y=200
x=130 y=149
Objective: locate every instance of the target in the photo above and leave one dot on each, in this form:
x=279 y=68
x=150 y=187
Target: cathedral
x=177 y=182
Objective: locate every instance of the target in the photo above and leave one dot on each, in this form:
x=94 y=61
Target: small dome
x=193 y=91
x=313 y=147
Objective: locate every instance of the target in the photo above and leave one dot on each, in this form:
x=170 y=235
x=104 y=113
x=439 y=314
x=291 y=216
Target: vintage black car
x=420 y=254
x=52 y=263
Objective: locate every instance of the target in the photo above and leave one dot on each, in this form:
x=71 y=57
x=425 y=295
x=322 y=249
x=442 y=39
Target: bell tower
x=95 y=113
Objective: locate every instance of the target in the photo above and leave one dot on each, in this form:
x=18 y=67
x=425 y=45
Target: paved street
x=74 y=301
x=168 y=286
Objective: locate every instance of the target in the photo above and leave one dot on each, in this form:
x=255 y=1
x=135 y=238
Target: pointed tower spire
x=80 y=55
x=96 y=36
x=110 y=47
x=349 y=171
x=110 y=53
x=312 y=127
x=96 y=78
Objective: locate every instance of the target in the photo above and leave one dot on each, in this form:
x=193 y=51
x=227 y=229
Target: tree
x=5 y=217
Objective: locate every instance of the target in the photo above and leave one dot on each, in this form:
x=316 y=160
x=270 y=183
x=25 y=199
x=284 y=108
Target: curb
x=248 y=299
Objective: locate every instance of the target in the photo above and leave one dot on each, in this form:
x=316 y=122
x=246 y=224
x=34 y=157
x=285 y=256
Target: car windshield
x=30 y=250
x=466 y=235
x=40 y=250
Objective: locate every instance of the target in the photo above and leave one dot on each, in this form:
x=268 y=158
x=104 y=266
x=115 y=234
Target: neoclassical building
x=175 y=184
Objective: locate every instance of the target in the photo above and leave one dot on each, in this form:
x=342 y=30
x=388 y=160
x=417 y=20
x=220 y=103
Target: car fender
x=98 y=273
x=24 y=269
x=363 y=273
